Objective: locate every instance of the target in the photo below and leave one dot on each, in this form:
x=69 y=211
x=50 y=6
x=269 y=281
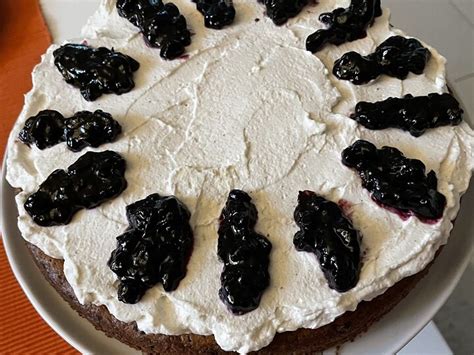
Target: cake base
x=344 y=328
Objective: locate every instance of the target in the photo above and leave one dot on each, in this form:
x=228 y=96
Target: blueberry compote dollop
x=412 y=114
x=84 y=129
x=43 y=130
x=397 y=56
x=217 y=13
x=162 y=25
x=90 y=129
x=344 y=25
x=155 y=248
x=326 y=232
x=396 y=182
x=93 y=179
x=95 y=71
x=282 y=10
x=245 y=255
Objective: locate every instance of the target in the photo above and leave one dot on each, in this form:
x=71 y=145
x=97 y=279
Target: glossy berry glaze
x=245 y=255
x=328 y=233
x=95 y=71
x=397 y=56
x=43 y=130
x=282 y=10
x=84 y=129
x=396 y=182
x=90 y=129
x=155 y=248
x=162 y=25
x=93 y=179
x=217 y=13
x=344 y=25
x=412 y=114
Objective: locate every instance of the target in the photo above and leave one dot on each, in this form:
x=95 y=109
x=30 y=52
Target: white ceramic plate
x=387 y=336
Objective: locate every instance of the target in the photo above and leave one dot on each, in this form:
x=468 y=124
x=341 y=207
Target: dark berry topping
x=84 y=129
x=345 y=25
x=245 y=255
x=282 y=10
x=328 y=233
x=55 y=201
x=397 y=56
x=43 y=130
x=95 y=71
x=98 y=177
x=217 y=13
x=412 y=114
x=155 y=248
x=93 y=179
x=396 y=182
x=90 y=129
x=162 y=25
x=138 y=12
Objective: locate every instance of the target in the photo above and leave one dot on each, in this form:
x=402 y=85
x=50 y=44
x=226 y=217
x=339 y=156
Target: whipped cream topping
x=249 y=108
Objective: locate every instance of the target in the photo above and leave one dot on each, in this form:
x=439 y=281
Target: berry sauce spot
x=245 y=255
x=412 y=114
x=328 y=233
x=162 y=25
x=95 y=71
x=395 y=181
x=404 y=216
x=90 y=129
x=397 y=56
x=217 y=13
x=155 y=248
x=281 y=11
x=344 y=25
x=84 y=129
x=44 y=130
x=345 y=206
x=93 y=179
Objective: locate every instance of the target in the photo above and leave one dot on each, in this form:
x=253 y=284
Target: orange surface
x=23 y=38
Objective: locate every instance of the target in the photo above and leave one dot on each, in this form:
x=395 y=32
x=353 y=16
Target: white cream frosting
x=252 y=109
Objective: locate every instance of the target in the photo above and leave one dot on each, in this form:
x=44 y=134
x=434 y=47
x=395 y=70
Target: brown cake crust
x=303 y=341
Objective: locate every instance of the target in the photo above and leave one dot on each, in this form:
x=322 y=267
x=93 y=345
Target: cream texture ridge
x=248 y=108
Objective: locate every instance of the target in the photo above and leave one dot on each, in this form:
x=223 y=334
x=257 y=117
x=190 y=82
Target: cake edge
x=343 y=329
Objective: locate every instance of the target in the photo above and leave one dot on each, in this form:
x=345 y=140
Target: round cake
x=201 y=177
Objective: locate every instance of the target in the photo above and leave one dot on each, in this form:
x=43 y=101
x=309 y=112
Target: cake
x=322 y=164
